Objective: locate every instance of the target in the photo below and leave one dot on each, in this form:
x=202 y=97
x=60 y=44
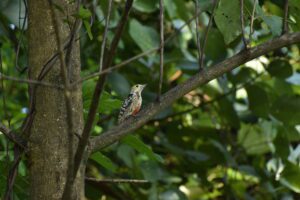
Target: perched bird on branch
x=132 y=104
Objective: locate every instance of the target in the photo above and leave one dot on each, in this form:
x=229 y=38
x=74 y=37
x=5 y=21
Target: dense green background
x=235 y=138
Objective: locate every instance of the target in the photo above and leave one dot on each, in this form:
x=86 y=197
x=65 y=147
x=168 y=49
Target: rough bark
x=48 y=143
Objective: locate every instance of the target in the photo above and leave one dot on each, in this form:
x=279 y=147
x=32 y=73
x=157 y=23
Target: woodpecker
x=132 y=104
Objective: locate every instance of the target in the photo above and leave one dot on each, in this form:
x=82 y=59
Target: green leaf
x=227 y=112
x=205 y=5
x=119 y=84
x=241 y=75
x=84 y=13
x=214 y=39
x=108 y=103
x=88 y=29
x=274 y=23
x=258 y=100
x=290 y=177
x=227 y=18
x=287 y=109
x=145 y=37
x=104 y=161
x=145 y=6
x=257 y=139
x=141 y=147
x=171 y=8
x=280 y=69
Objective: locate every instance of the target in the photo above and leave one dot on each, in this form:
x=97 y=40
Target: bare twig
x=21 y=34
x=242 y=23
x=99 y=88
x=105 y=35
x=16 y=139
x=161 y=60
x=285 y=28
x=252 y=21
x=207 y=31
x=198 y=34
x=30 y=82
x=13 y=173
x=67 y=94
x=108 y=180
x=115 y=67
x=200 y=78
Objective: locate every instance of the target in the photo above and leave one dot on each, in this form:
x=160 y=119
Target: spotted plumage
x=132 y=104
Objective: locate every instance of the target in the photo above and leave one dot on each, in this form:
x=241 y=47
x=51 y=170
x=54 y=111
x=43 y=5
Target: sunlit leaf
x=290 y=177
x=88 y=29
x=257 y=140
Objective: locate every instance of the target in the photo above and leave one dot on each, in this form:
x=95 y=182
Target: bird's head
x=137 y=88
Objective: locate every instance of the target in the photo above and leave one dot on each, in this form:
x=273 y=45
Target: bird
x=132 y=104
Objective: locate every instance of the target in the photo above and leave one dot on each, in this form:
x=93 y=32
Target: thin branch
x=285 y=28
x=30 y=82
x=215 y=3
x=115 y=67
x=252 y=21
x=16 y=139
x=161 y=58
x=21 y=34
x=99 y=88
x=242 y=23
x=132 y=181
x=105 y=35
x=13 y=173
x=67 y=94
x=198 y=34
x=197 y=80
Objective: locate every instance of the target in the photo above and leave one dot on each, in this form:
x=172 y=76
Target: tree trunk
x=48 y=143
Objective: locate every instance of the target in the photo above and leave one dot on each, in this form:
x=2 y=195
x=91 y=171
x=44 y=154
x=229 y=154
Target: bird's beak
x=143 y=86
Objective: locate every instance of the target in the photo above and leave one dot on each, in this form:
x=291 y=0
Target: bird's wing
x=125 y=109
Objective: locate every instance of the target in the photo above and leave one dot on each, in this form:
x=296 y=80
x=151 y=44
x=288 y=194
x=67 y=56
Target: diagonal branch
x=201 y=78
x=99 y=88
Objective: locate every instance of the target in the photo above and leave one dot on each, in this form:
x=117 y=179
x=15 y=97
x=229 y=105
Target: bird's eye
x=136 y=86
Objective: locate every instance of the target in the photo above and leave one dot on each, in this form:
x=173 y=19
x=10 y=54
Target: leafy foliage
x=235 y=138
